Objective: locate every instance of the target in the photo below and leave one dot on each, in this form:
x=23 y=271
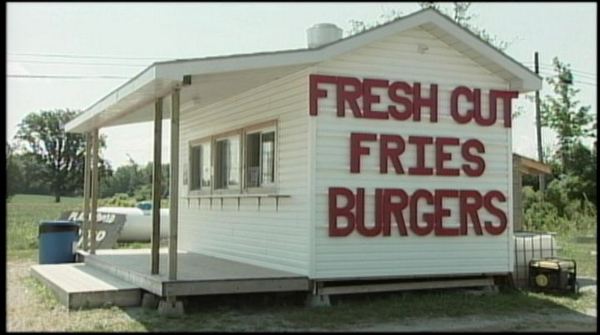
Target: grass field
x=32 y=306
x=24 y=213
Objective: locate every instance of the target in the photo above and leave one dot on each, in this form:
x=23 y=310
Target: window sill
x=238 y=196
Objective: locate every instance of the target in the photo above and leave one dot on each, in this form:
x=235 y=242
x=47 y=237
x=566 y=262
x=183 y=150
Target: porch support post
x=85 y=230
x=94 y=170
x=174 y=185
x=156 y=183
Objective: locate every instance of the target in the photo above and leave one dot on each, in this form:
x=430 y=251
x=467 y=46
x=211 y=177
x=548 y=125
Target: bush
x=118 y=200
x=582 y=215
x=542 y=216
x=143 y=193
x=556 y=212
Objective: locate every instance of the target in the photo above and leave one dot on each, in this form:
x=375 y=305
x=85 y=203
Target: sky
x=104 y=44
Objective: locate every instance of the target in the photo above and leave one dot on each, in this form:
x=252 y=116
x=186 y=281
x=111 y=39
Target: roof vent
x=322 y=33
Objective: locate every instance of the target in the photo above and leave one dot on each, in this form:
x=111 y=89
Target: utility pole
x=538 y=125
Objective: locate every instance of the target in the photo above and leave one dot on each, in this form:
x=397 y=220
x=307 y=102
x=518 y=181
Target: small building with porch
x=381 y=158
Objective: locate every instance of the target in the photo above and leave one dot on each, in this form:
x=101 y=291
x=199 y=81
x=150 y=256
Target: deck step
x=78 y=285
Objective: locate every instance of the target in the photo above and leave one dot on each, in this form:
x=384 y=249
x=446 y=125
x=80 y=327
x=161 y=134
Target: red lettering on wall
x=351 y=97
x=431 y=102
x=441 y=212
x=420 y=142
x=470 y=209
x=404 y=101
x=391 y=202
x=428 y=218
x=481 y=120
x=390 y=208
x=487 y=203
x=506 y=97
x=356 y=150
x=441 y=156
x=316 y=93
x=387 y=153
x=467 y=156
x=379 y=208
x=350 y=89
x=474 y=98
x=360 y=216
x=335 y=211
x=369 y=98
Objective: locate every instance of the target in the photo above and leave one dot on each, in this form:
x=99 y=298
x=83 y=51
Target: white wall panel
x=267 y=236
x=396 y=59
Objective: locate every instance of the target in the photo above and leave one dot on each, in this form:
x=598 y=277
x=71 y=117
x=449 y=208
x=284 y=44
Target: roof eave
x=143 y=78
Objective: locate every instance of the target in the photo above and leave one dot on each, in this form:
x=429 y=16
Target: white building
x=390 y=129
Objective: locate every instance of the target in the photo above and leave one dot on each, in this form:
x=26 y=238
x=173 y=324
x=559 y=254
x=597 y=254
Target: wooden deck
x=198 y=274
x=78 y=285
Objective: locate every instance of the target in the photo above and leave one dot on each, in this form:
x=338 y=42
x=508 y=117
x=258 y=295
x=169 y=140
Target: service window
x=227 y=162
x=200 y=172
x=260 y=158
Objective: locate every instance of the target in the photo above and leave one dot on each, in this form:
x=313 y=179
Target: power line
x=585 y=83
x=75 y=63
x=548 y=73
x=582 y=73
x=84 y=56
x=547 y=65
x=552 y=75
x=551 y=67
x=63 y=77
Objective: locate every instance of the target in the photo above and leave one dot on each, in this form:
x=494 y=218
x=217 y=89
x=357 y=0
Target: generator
x=553 y=275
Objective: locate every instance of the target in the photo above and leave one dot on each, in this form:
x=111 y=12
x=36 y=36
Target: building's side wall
x=264 y=236
x=396 y=59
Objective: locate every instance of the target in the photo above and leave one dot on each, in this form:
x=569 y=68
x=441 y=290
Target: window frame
x=242 y=187
x=215 y=139
x=259 y=127
x=191 y=145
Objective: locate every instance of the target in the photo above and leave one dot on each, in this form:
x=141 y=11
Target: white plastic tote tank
x=529 y=246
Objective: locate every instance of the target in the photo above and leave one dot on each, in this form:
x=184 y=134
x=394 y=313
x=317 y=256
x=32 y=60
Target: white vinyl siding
x=396 y=59
x=265 y=235
x=312 y=154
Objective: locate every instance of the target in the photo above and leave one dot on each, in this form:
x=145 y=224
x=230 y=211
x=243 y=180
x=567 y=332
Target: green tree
x=31 y=170
x=562 y=113
x=14 y=177
x=581 y=163
x=126 y=179
x=60 y=155
x=147 y=175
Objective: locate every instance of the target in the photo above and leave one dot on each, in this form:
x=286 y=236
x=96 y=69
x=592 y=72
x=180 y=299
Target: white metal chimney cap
x=322 y=33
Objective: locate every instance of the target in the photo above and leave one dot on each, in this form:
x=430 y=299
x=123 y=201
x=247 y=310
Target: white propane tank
x=138 y=223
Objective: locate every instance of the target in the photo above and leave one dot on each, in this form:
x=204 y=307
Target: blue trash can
x=57 y=241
